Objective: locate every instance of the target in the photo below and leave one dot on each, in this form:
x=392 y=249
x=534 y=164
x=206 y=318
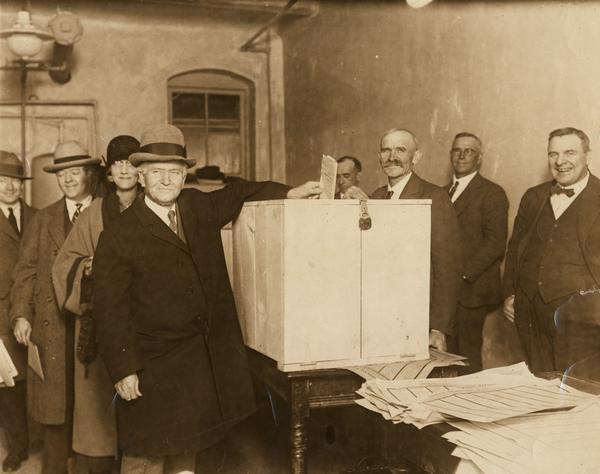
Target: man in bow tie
x=554 y=251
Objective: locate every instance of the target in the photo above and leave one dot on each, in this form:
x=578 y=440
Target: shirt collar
x=161 y=211
x=579 y=185
x=72 y=205
x=400 y=185
x=465 y=180
x=16 y=207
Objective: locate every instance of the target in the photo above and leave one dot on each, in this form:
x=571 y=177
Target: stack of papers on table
x=413 y=369
x=509 y=420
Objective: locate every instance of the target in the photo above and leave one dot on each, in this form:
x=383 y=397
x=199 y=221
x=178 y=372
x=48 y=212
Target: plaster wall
x=508 y=71
x=129 y=51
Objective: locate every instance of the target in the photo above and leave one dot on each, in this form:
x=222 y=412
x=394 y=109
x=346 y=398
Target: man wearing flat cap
x=167 y=326
x=14 y=217
x=36 y=316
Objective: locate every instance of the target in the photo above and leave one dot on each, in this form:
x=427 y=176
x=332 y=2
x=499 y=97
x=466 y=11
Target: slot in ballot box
x=313 y=290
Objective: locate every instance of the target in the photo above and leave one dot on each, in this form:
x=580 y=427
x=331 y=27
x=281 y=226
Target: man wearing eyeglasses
x=553 y=255
x=163 y=306
x=482 y=210
x=398 y=154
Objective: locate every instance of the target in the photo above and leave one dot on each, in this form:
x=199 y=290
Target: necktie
x=556 y=189
x=172 y=221
x=77 y=212
x=453 y=189
x=389 y=194
x=12 y=220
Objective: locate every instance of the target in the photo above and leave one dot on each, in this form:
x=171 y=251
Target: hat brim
x=72 y=164
x=15 y=175
x=138 y=158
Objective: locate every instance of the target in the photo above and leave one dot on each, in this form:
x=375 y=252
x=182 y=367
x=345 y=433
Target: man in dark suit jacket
x=14 y=218
x=399 y=152
x=482 y=210
x=167 y=326
x=554 y=251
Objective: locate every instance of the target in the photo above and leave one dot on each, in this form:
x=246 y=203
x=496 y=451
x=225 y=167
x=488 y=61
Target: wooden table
x=308 y=389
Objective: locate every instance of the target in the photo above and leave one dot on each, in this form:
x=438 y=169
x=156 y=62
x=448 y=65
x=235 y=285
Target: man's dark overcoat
x=9 y=251
x=164 y=309
x=32 y=297
x=445 y=250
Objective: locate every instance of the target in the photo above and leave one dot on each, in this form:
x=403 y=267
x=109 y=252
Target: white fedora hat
x=162 y=142
x=69 y=154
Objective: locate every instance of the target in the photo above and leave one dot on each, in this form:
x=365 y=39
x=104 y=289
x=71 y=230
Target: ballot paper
x=487 y=396
x=537 y=443
x=34 y=361
x=8 y=371
x=328 y=177
x=413 y=369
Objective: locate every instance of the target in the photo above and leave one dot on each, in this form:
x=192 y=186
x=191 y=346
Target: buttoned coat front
x=445 y=250
x=164 y=309
x=482 y=212
x=9 y=251
x=32 y=297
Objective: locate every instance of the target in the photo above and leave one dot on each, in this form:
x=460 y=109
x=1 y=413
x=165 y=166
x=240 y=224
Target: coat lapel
x=542 y=198
x=56 y=223
x=467 y=196
x=188 y=219
x=589 y=209
x=157 y=227
x=413 y=189
x=7 y=228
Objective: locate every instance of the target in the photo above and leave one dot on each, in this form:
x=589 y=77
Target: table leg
x=298 y=426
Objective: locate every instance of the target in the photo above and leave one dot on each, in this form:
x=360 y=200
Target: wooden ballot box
x=313 y=290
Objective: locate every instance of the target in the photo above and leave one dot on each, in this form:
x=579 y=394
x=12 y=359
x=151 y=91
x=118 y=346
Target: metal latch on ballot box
x=364 y=221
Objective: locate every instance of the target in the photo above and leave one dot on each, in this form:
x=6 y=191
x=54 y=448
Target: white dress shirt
x=463 y=182
x=399 y=186
x=16 y=207
x=161 y=211
x=72 y=205
x=561 y=202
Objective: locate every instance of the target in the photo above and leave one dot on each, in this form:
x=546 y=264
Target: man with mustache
x=399 y=152
x=554 y=251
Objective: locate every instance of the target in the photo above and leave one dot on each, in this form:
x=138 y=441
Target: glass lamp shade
x=418 y=3
x=24 y=45
x=24 y=39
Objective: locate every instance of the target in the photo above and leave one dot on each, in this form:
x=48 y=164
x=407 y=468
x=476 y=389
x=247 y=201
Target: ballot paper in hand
x=328 y=177
x=8 y=371
x=33 y=359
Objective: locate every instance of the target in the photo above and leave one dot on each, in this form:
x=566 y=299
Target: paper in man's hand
x=34 y=361
x=7 y=368
x=328 y=177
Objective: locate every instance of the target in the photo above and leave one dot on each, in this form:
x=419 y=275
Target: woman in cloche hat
x=94 y=426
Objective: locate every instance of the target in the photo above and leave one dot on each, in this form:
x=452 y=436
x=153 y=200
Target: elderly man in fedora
x=36 y=316
x=14 y=217
x=167 y=326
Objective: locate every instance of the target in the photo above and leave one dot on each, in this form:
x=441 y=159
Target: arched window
x=214 y=109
